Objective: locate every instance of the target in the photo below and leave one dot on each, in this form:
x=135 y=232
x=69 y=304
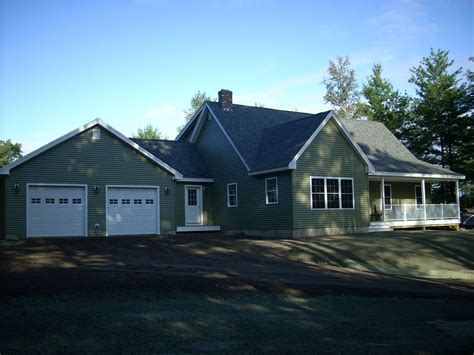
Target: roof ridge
x=299 y=119
x=267 y=108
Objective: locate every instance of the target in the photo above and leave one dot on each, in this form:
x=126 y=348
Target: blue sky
x=64 y=63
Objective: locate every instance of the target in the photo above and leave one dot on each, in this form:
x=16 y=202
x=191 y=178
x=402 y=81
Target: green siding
x=2 y=207
x=402 y=193
x=226 y=167
x=80 y=160
x=207 y=203
x=330 y=154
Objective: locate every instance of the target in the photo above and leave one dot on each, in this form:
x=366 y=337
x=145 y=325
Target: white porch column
x=457 y=199
x=382 y=196
x=423 y=198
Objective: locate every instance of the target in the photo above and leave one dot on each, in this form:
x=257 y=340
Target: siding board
x=226 y=167
x=80 y=160
x=330 y=154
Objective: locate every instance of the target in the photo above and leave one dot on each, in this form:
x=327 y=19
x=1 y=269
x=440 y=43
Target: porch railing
x=408 y=212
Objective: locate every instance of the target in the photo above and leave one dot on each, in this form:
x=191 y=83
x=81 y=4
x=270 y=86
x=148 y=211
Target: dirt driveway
x=195 y=262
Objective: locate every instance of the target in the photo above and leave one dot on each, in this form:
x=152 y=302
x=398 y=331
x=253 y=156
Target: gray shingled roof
x=181 y=155
x=262 y=135
x=386 y=152
x=269 y=139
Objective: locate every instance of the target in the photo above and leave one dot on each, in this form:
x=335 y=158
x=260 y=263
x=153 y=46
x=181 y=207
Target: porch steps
x=379 y=227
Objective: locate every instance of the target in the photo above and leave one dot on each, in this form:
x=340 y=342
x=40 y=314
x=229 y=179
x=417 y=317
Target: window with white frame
x=271 y=190
x=388 y=196
x=232 y=195
x=418 y=196
x=332 y=193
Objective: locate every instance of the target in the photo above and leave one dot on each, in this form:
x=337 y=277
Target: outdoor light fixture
x=96 y=188
x=16 y=187
x=167 y=190
x=205 y=188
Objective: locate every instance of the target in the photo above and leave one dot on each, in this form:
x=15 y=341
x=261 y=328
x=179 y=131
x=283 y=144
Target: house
x=234 y=169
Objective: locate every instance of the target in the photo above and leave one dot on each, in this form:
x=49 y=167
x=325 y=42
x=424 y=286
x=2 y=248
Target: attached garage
x=132 y=210
x=56 y=210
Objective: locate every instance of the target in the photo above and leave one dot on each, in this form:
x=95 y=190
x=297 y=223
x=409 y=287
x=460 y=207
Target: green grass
x=153 y=321
x=430 y=254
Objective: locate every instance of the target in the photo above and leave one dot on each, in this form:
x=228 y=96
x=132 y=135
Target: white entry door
x=132 y=210
x=193 y=205
x=56 y=211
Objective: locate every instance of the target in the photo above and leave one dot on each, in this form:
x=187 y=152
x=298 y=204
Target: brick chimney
x=225 y=99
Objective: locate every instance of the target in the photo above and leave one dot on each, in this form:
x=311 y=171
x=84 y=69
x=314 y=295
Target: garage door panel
x=132 y=211
x=55 y=211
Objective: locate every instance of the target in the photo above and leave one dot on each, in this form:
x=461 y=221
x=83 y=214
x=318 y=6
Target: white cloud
x=160 y=112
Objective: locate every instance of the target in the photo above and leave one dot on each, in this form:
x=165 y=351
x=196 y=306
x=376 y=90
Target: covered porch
x=409 y=201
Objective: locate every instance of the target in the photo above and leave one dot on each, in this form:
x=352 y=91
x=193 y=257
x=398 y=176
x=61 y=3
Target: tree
x=384 y=103
x=196 y=101
x=341 y=88
x=9 y=152
x=149 y=132
x=441 y=130
x=441 y=125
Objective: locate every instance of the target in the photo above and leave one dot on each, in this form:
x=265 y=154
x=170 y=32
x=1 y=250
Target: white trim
x=185 y=179
x=418 y=205
x=416 y=175
x=6 y=170
x=266 y=190
x=228 y=138
x=457 y=200
x=332 y=114
x=86 y=227
x=236 y=195
x=198 y=126
x=261 y=172
x=200 y=201
x=158 y=207
x=389 y=208
x=189 y=122
x=339 y=178
x=417 y=223
x=423 y=196
x=198 y=228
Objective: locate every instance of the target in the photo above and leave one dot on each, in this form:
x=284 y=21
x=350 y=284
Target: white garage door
x=132 y=210
x=56 y=211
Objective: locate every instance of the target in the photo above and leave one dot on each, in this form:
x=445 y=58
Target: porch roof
x=388 y=155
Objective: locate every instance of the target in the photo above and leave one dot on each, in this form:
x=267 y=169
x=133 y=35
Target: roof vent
x=225 y=99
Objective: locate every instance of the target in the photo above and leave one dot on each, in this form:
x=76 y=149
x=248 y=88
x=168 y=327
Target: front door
x=193 y=205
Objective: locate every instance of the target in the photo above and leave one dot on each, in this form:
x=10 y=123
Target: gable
x=95 y=123
x=82 y=156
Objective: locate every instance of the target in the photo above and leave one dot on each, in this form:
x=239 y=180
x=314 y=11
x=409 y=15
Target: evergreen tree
x=441 y=128
x=384 y=104
x=196 y=101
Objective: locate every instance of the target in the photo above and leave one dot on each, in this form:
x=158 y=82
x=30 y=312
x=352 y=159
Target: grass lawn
x=431 y=254
x=131 y=321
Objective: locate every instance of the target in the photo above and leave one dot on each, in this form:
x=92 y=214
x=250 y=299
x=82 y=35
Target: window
x=388 y=196
x=95 y=134
x=332 y=193
x=192 y=197
x=149 y=201
x=271 y=190
x=418 y=196
x=113 y=201
x=76 y=201
x=137 y=201
x=49 y=200
x=232 y=195
x=35 y=200
x=125 y=201
x=63 y=201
